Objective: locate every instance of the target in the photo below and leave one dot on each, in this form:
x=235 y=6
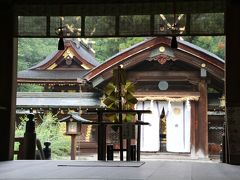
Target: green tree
x=30 y=52
x=99 y=25
x=214 y=44
x=107 y=47
x=30 y=88
x=33 y=50
x=51 y=130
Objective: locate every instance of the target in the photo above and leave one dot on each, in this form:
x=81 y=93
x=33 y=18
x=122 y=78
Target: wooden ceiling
x=144 y=6
x=100 y=1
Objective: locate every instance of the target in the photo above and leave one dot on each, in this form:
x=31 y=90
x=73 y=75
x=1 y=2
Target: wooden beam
x=163 y=75
x=47 y=81
x=167 y=93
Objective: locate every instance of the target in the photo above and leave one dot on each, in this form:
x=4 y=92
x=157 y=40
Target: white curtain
x=150 y=134
x=178 y=118
x=178 y=127
x=187 y=127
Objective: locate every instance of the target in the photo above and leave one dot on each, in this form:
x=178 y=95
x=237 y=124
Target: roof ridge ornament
x=162 y=58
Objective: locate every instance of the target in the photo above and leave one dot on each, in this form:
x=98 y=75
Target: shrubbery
x=50 y=130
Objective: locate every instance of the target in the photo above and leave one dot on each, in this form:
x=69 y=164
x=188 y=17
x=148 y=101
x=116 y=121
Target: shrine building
x=183 y=88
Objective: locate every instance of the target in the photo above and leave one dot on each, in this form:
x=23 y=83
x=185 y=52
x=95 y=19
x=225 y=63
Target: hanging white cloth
x=178 y=117
x=150 y=134
x=187 y=142
x=178 y=127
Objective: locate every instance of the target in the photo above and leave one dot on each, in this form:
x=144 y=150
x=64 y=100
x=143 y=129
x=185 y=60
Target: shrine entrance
x=176 y=80
x=170 y=126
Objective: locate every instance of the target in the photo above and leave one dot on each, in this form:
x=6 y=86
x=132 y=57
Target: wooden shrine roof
x=56 y=100
x=68 y=65
x=48 y=76
x=150 y=50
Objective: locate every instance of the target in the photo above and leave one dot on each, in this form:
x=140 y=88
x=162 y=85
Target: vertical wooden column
x=232 y=76
x=202 y=125
x=101 y=138
x=194 y=120
x=73 y=146
x=7 y=84
x=119 y=89
x=138 y=137
x=128 y=147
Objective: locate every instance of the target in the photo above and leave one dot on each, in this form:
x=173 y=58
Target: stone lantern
x=73 y=127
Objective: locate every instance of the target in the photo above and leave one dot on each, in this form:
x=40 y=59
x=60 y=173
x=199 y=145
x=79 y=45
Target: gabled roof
x=86 y=55
x=54 y=67
x=81 y=53
x=45 y=61
x=186 y=52
x=75 y=116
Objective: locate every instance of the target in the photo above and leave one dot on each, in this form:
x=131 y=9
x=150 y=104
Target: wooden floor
x=152 y=170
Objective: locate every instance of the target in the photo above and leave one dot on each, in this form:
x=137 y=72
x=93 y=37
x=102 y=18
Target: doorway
x=163 y=131
x=170 y=126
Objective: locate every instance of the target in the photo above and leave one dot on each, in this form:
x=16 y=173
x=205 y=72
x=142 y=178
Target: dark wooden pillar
x=194 y=120
x=73 y=146
x=202 y=125
x=232 y=77
x=138 y=137
x=101 y=138
x=7 y=84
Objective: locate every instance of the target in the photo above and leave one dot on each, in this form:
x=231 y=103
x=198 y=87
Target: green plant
x=49 y=130
x=20 y=128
